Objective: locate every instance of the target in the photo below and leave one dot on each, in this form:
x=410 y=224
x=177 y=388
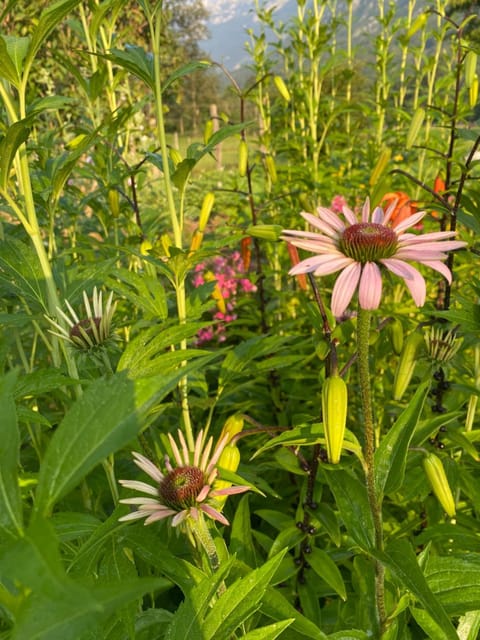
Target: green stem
x=363 y=334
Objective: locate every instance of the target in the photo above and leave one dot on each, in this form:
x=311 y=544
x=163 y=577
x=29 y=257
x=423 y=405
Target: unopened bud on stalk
x=406 y=364
x=415 y=126
x=208 y=130
x=114 y=202
x=438 y=480
x=334 y=413
x=242 y=158
x=472 y=406
x=265 y=231
x=205 y=211
x=395 y=329
x=470 y=68
x=282 y=88
x=175 y=155
x=271 y=168
x=230 y=456
x=382 y=163
x=473 y=93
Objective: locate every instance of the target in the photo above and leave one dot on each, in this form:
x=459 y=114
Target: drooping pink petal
x=407 y=253
x=370 y=289
x=136 y=485
x=203 y=493
x=214 y=514
x=321 y=244
x=412 y=278
x=447 y=245
x=159 y=515
x=321 y=265
x=147 y=465
x=150 y=502
x=344 y=288
x=440 y=267
x=229 y=491
x=429 y=237
x=179 y=517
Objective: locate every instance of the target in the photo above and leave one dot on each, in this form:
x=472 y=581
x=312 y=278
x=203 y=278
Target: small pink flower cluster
x=229 y=273
x=337 y=204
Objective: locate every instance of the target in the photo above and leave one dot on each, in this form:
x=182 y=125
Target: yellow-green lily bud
x=265 y=231
x=205 y=211
x=233 y=425
x=175 y=156
x=438 y=480
x=473 y=92
x=382 y=163
x=470 y=68
x=242 y=158
x=334 y=412
x=406 y=364
x=395 y=329
x=415 y=126
x=208 y=130
x=271 y=168
x=114 y=202
x=282 y=88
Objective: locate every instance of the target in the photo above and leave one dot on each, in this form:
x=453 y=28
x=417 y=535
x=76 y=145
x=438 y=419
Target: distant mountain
x=230 y=19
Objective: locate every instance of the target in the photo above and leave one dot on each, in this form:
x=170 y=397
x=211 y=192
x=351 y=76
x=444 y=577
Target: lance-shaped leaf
x=10 y=501
x=391 y=455
x=16 y=135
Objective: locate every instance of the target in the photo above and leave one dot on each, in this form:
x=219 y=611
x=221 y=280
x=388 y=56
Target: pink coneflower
x=360 y=248
x=183 y=490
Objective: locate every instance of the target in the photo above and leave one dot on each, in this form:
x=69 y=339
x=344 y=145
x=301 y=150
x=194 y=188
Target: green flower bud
x=438 y=480
x=406 y=364
x=334 y=412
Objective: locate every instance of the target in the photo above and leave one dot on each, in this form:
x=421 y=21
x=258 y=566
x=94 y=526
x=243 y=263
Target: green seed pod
x=473 y=93
x=205 y=211
x=242 y=158
x=470 y=68
x=395 y=330
x=282 y=88
x=438 y=480
x=271 y=168
x=415 y=126
x=406 y=364
x=334 y=412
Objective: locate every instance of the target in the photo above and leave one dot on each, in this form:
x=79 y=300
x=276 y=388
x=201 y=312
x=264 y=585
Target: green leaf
x=20 y=272
x=141 y=290
x=41 y=381
x=8 y=68
x=327 y=570
x=241 y=541
x=135 y=60
x=15 y=135
x=66 y=164
x=239 y=601
x=188 y=619
x=190 y=67
x=276 y=606
x=352 y=501
x=455 y=581
x=469 y=626
x=10 y=500
x=270 y=632
x=105 y=418
x=391 y=455
x=49 y=19
x=400 y=559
